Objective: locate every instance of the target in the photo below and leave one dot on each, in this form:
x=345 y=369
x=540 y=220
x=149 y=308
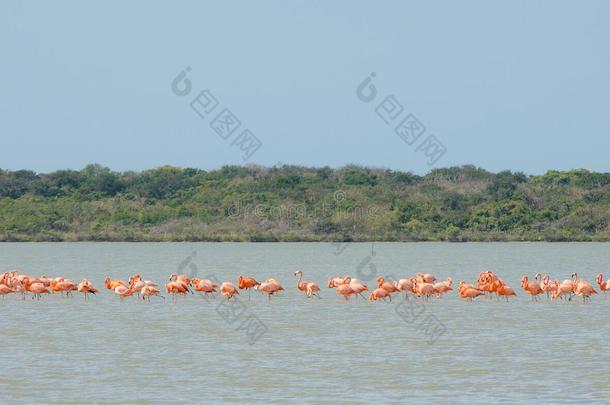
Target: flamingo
x=177 y=287
x=62 y=285
x=357 y=286
x=308 y=287
x=136 y=283
x=205 y=286
x=407 y=285
x=471 y=293
x=228 y=290
x=45 y=280
x=180 y=277
x=443 y=286
x=36 y=288
x=386 y=285
x=122 y=291
x=148 y=291
x=546 y=286
x=337 y=281
x=345 y=290
x=181 y=280
x=583 y=288
x=531 y=287
x=483 y=279
x=487 y=282
x=604 y=285
x=380 y=293
x=504 y=290
x=86 y=288
x=18 y=286
x=247 y=283
x=5 y=278
x=112 y=284
x=4 y=290
x=462 y=285
x=270 y=287
x=424 y=289
x=468 y=291
x=565 y=288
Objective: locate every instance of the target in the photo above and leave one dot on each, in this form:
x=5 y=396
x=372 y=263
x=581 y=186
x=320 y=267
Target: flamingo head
x=298 y=273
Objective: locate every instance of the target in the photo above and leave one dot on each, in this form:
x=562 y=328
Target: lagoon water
x=291 y=349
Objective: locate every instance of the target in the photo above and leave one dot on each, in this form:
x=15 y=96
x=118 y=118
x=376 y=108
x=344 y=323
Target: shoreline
x=308 y=241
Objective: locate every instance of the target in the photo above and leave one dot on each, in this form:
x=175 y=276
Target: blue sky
x=521 y=85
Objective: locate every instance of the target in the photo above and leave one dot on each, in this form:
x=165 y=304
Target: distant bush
x=291 y=203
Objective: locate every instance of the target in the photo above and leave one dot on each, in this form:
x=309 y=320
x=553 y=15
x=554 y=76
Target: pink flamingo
x=357 y=286
x=443 y=286
x=86 y=288
x=345 y=290
x=147 y=291
x=270 y=287
x=380 y=293
x=228 y=290
x=407 y=285
x=310 y=288
x=205 y=286
x=122 y=291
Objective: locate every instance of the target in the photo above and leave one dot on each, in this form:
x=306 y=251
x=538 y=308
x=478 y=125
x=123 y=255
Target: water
x=315 y=351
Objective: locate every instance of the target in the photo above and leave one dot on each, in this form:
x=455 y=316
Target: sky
x=518 y=85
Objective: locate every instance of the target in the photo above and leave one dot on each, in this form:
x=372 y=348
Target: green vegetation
x=292 y=203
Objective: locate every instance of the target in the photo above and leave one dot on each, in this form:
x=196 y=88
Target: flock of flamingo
x=422 y=286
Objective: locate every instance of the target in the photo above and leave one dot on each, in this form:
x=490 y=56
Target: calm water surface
x=314 y=351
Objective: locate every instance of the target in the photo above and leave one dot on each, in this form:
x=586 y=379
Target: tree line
x=294 y=203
